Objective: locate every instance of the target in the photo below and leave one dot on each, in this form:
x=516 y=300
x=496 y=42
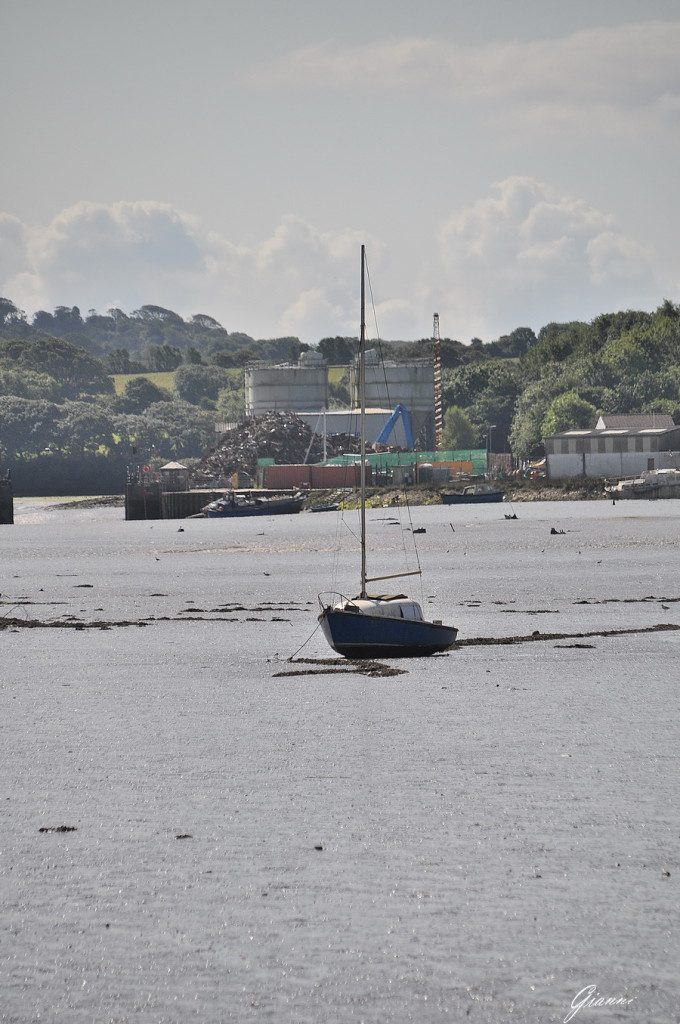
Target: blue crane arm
x=399 y=410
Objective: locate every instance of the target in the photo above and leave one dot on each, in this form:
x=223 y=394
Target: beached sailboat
x=378 y=626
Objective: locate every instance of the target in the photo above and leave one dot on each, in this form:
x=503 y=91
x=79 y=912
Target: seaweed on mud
x=530 y=611
x=365 y=667
x=27 y=601
x=341 y=666
x=267 y=606
x=70 y=622
x=628 y=600
x=188 y=618
x=485 y=641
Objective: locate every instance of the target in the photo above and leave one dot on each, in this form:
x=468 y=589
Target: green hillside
x=161 y=380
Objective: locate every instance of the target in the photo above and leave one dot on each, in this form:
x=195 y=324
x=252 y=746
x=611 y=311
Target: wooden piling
x=6 y=502
x=143 y=500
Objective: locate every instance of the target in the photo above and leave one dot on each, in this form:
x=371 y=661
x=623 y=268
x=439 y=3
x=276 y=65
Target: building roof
x=173 y=465
x=636 y=421
x=330 y=413
x=618 y=432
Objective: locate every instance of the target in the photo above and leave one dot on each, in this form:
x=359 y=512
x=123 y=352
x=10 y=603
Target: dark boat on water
x=475 y=494
x=235 y=504
x=380 y=626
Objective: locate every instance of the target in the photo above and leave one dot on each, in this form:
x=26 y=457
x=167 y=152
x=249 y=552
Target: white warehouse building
x=615 y=451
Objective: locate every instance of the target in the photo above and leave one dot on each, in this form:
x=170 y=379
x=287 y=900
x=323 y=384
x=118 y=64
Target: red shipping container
x=287 y=477
x=338 y=476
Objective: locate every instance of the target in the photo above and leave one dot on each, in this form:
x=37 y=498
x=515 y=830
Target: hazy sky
x=507 y=163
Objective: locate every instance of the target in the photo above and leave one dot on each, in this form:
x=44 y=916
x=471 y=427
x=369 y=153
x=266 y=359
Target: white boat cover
x=397 y=608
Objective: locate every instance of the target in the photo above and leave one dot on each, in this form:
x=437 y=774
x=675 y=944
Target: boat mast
x=325 y=445
x=362 y=396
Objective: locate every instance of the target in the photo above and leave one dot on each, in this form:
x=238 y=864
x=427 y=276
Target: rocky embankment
x=578 y=489
x=515 y=491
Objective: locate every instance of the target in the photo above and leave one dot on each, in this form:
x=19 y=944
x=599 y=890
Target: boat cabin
x=475 y=489
x=398 y=607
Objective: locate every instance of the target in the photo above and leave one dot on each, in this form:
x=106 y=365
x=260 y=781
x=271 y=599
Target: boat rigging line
x=389 y=402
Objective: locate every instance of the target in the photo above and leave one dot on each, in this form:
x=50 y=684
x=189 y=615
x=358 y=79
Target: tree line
x=58 y=403
x=149 y=339
x=623 y=362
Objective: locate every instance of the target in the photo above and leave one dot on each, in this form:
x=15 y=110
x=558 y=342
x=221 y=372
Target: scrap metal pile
x=281 y=436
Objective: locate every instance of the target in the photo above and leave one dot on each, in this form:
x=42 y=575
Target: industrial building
x=621 y=451
x=302 y=388
x=346 y=421
x=634 y=421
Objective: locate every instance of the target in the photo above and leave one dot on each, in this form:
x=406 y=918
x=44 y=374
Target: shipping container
x=339 y=476
x=287 y=477
x=458 y=467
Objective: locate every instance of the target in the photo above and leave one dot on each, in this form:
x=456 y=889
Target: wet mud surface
x=470 y=837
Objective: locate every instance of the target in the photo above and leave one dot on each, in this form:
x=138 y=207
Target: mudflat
x=188 y=834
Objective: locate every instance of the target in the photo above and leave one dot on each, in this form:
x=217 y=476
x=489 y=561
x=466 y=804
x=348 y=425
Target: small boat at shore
x=652 y=485
x=475 y=494
x=330 y=506
x=378 y=626
x=235 y=504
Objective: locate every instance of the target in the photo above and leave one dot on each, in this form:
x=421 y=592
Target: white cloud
x=13 y=247
x=618 y=78
x=527 y=254
x=299 y=280
x=117 y=254
x=524 y=254
x=310 y=315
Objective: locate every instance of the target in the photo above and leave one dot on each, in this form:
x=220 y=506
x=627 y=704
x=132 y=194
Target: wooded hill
x=58 y=404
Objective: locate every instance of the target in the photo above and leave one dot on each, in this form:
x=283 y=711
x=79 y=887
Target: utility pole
x=437 y=373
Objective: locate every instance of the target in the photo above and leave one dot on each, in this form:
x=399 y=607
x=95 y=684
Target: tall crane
x=437 y=373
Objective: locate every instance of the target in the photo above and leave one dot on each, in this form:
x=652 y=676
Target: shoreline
x=377 y=497
x=517 y=491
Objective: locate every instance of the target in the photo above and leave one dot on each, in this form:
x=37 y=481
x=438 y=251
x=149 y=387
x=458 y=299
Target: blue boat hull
x=374 y=636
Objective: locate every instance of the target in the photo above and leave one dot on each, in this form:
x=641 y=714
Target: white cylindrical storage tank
x=390 y=383
x=287 y=387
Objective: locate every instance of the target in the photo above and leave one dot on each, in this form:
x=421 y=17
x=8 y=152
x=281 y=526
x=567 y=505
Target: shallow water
x=495 y=823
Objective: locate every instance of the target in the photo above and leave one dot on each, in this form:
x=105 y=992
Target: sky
x=507 y=162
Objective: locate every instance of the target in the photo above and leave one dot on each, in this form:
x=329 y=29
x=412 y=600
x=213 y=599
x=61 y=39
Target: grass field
x=167 y=380
x=335 y=373
x=161 y=380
